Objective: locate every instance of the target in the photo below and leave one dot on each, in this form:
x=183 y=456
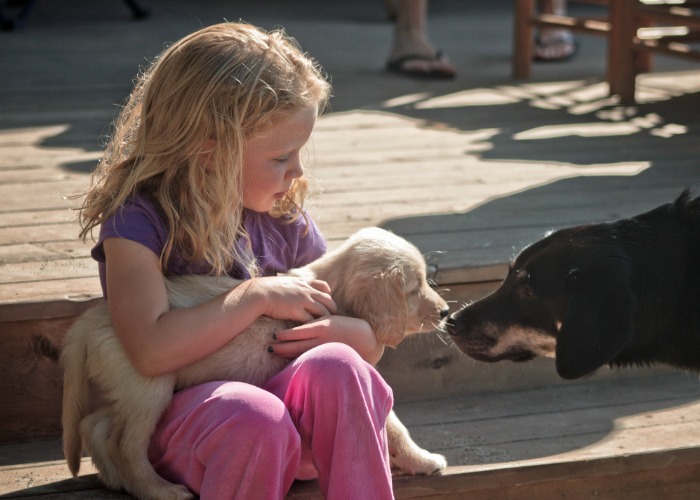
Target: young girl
x=203 y=175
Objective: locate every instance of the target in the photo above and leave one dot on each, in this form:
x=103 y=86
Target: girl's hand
x=354 y=332
x=292 y=298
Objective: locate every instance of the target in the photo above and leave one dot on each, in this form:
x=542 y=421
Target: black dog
x=620 y=293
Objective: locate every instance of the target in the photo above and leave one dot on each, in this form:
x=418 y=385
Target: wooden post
x=523 y=13
x=622 y=70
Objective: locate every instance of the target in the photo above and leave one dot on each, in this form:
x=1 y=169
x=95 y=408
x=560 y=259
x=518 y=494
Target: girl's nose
x=296 y=168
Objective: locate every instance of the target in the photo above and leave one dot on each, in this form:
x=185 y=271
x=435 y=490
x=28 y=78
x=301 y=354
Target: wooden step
x=633 y=438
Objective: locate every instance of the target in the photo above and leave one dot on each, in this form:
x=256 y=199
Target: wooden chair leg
x=622 y=69
x=524 y=11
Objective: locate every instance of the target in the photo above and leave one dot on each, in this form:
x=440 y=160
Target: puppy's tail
x=75 y=390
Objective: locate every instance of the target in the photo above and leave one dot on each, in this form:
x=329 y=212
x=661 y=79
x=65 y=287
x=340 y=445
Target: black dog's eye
x=522 y=275
x=573 y=275
x=524 y=281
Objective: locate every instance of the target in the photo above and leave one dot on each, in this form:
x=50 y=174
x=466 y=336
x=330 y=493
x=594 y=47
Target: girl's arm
x=159 y=341
x=356 y=333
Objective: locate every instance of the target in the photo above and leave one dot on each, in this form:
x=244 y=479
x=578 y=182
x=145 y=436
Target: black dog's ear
x=598 y=321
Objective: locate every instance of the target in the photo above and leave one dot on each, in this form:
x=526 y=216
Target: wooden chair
x=641 y=28
x=527 y=19
x=635 y=29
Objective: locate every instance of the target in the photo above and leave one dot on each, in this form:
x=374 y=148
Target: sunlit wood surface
x=470 y=170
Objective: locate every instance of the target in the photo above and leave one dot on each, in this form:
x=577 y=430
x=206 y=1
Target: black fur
x=619 y=293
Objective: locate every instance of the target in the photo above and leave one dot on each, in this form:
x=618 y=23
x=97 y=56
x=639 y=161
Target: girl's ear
x=381 y=302
x=599 y=319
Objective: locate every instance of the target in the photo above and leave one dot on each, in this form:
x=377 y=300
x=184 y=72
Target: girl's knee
x=334 y=354
x=250 y=411
x=211 y=420
x=250 y=400
x=337 y=366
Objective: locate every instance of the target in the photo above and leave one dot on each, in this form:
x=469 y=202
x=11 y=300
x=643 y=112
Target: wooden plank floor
x=508 y=439
x=470 y=170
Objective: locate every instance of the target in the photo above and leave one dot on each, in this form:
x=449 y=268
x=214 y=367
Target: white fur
x=375 y=275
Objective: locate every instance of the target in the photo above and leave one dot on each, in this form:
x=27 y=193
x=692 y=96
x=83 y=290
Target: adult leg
x=227 y=440
x=339 y=404
x=554 y=44
x=412 y=52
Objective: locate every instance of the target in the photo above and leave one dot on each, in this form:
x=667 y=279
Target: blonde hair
x=226 y=82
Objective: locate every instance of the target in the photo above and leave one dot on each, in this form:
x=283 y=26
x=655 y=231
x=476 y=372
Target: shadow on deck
x=470 y=170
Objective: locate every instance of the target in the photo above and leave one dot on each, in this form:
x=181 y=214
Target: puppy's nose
x=444 y=312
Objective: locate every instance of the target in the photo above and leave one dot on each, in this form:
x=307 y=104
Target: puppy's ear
x=381 y=302
x=598 y=321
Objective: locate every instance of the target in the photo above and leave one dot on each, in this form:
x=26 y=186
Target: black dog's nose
x=450 y=325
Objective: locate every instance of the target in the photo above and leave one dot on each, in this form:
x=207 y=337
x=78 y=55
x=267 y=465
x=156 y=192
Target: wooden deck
x=582 y=440
x=470 y=170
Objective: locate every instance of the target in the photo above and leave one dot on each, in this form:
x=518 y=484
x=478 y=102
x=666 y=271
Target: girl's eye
x=282 y=160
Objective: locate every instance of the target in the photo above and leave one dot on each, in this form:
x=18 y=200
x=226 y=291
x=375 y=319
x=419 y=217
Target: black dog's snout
x=450 y=324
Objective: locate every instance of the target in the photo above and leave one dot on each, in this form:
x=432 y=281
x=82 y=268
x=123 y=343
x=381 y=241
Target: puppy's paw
x=419 y=461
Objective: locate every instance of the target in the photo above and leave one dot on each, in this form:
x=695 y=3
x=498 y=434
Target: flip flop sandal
x=398 y=66
x=563 y=39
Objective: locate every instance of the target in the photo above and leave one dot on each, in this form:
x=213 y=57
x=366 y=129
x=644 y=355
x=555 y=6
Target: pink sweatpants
x=323 y=415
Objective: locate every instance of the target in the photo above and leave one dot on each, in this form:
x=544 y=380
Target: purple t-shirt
x=277 y=245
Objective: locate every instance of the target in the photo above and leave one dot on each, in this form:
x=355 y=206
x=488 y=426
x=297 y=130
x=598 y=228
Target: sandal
x=557 y=46
x=402 y=66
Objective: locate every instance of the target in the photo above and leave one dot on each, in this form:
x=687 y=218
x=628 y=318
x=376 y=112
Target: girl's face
x=271 y=160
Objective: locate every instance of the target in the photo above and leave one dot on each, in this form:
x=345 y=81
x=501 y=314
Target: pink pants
x=323 y=415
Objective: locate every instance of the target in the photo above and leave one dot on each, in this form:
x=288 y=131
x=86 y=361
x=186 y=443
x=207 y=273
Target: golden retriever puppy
x=375 y=275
